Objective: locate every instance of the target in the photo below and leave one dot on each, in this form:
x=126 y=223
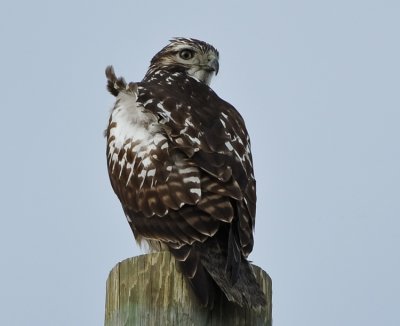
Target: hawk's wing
x=213 y=136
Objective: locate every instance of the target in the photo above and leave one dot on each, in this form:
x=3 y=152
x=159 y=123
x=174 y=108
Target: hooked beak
x=214 y=66
x=211 y=66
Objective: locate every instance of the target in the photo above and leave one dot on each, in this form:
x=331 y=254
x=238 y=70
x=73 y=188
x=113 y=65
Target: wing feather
x=212 y=134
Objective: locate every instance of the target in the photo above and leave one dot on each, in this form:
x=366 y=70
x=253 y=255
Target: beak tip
x=212 y=66
x=215 y=65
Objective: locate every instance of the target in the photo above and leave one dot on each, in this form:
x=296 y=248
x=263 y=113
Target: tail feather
x=245 y=291
x=204 y=266
x=203 y=286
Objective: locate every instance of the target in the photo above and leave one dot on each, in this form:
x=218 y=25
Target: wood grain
x=148 y=290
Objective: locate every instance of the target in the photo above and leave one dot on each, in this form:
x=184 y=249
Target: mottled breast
x=134 y=136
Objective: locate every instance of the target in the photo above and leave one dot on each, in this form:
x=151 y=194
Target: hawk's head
x=196 y=58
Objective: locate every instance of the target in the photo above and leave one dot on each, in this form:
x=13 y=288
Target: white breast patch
x=134 y=130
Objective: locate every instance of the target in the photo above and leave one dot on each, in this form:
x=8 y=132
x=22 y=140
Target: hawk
x=179 y=160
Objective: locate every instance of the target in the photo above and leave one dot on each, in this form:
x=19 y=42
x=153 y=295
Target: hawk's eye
x=186 y=54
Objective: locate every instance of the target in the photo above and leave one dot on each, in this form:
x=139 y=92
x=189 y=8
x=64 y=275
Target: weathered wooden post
x=148 y=290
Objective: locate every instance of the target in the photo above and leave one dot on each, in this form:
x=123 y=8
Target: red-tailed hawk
x=179 y=160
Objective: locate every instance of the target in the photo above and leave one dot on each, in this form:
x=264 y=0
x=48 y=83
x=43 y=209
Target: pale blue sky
x=318 y=85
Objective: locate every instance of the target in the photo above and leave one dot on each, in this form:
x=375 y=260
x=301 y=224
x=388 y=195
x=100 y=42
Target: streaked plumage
x=179 y=161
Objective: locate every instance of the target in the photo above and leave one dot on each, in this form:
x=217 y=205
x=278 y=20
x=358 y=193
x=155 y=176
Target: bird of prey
x=179 y=160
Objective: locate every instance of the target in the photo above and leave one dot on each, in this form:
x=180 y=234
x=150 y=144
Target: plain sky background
x=318 y=83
